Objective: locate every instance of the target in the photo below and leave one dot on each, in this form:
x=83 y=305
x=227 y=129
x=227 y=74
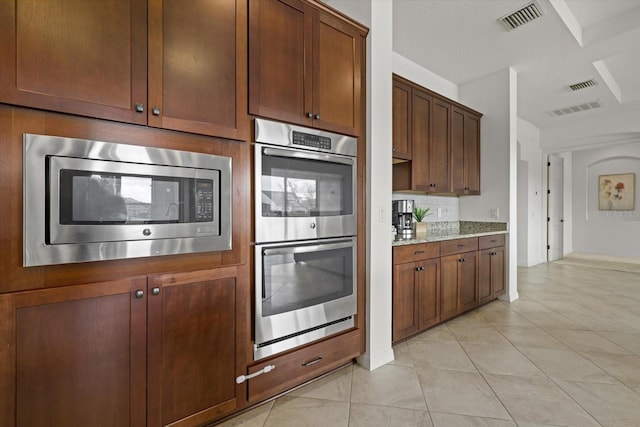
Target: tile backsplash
x=449 y=206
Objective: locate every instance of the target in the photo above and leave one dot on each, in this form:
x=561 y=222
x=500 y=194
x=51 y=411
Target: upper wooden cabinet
x=76 y=58
x=401 y=120
x=198 y=67
x=436 y=142
x=465 y=152
x=306 y=65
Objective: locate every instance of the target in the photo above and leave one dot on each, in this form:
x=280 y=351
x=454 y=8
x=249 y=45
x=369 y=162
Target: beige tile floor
x=567 y=353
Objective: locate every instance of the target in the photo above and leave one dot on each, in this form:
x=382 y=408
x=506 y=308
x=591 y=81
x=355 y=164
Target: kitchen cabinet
x=198 y=67
x=491 y=266
x=444 y=142
x=74 y=355
x=194 y=81
x=306 y=65
x=416 y=288
x=402 y=147
x=141 y=351
x=294 y=368
x=459 y=277
x=465 y=152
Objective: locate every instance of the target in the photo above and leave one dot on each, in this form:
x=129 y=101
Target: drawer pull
x=266 y=369
x=312 y=362
x=418 y=252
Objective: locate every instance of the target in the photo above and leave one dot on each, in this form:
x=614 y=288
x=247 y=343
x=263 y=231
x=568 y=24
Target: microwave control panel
x=204 y=201
x=309 y=140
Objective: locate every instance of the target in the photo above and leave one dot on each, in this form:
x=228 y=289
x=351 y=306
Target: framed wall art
x=616 y=192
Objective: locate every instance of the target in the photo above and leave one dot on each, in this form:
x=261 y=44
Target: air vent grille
x=521 y=16
x=575 y=108
x=583 y=85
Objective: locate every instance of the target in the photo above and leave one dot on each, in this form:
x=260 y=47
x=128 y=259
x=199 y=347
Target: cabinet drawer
x=417 y=252
x=491 y=241
x=302 y=365
x=458 y=246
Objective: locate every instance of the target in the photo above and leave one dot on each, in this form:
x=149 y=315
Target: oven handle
x=305 y=249
x=305 y=155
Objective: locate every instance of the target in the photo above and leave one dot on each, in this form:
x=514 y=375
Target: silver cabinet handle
x=139 y=107
x=312 y=362
x=156 y=111
x=309 y=114
x=317 y=117
x=139 y=293
x=155 y=291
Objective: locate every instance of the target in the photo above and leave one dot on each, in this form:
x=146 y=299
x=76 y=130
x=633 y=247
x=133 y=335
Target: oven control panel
x=309 y=140
x=204 y=201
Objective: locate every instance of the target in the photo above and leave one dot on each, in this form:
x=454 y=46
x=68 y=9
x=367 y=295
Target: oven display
x=309 y=140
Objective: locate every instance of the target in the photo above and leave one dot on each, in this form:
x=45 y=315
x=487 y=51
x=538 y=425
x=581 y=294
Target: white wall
x=423 y=77
x=448 y=207
x=530 y=210
x=378 y=16
x=495 y=96
x=614 y=233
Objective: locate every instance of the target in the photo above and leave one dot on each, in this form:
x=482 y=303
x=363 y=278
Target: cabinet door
x=337 y=75
x=458 y=182
x=428 y=285
x=498 y=285
x=485 y=291
x=467 y=281
x=422 y=105
x=75 y=57
x=197 y=66
x=74 y=355
x=280 y=33
x=192 y=351
x=472 y=153
x=405 y=295
x=438 y=156
x=449 y=287
x=401 y=120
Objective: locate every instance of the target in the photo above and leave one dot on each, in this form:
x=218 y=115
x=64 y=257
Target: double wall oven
x=305 y=228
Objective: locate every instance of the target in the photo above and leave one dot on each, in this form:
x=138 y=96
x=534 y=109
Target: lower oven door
x=304 y=291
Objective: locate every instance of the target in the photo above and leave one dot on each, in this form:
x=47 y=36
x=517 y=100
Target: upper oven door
x=303 y=195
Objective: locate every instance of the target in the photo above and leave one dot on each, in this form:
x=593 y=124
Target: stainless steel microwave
x=91 y=200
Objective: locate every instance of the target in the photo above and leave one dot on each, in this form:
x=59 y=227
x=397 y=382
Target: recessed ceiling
x=462 y=40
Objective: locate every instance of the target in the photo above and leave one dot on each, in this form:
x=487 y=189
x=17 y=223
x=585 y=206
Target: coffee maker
x=402 y=214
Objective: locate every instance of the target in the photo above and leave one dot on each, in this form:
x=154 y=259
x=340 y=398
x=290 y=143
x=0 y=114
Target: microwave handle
x=307 y=155
x=304 y=249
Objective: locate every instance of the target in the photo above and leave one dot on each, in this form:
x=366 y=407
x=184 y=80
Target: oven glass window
x=293 y=281
x=111 y=198
x=305 y=188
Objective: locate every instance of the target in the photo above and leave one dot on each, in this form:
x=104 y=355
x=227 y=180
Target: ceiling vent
x=583 y=85
x=521 y=16
x=575 y=108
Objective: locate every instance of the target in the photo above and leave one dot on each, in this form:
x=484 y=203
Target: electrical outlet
x=439 y=212
x=381 y=214
x=495 y=213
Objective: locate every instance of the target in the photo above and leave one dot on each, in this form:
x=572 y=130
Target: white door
x=555 y=220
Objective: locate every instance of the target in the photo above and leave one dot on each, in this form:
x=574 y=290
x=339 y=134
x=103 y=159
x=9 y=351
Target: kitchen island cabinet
x=306 y=65
x=194 y=80
x=141 y=351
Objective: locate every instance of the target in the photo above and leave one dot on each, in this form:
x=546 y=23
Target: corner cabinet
x=306 y=65
x=144 y=351
x=436 y=142
x=416 y=288
x=161 y=63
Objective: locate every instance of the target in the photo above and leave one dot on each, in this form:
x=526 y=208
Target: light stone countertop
x=461 y=230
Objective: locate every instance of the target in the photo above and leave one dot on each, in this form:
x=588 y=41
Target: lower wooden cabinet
x=299 y=366
x=491 y=266
x=416 y=289
x=432 y=286
x=132 y=352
